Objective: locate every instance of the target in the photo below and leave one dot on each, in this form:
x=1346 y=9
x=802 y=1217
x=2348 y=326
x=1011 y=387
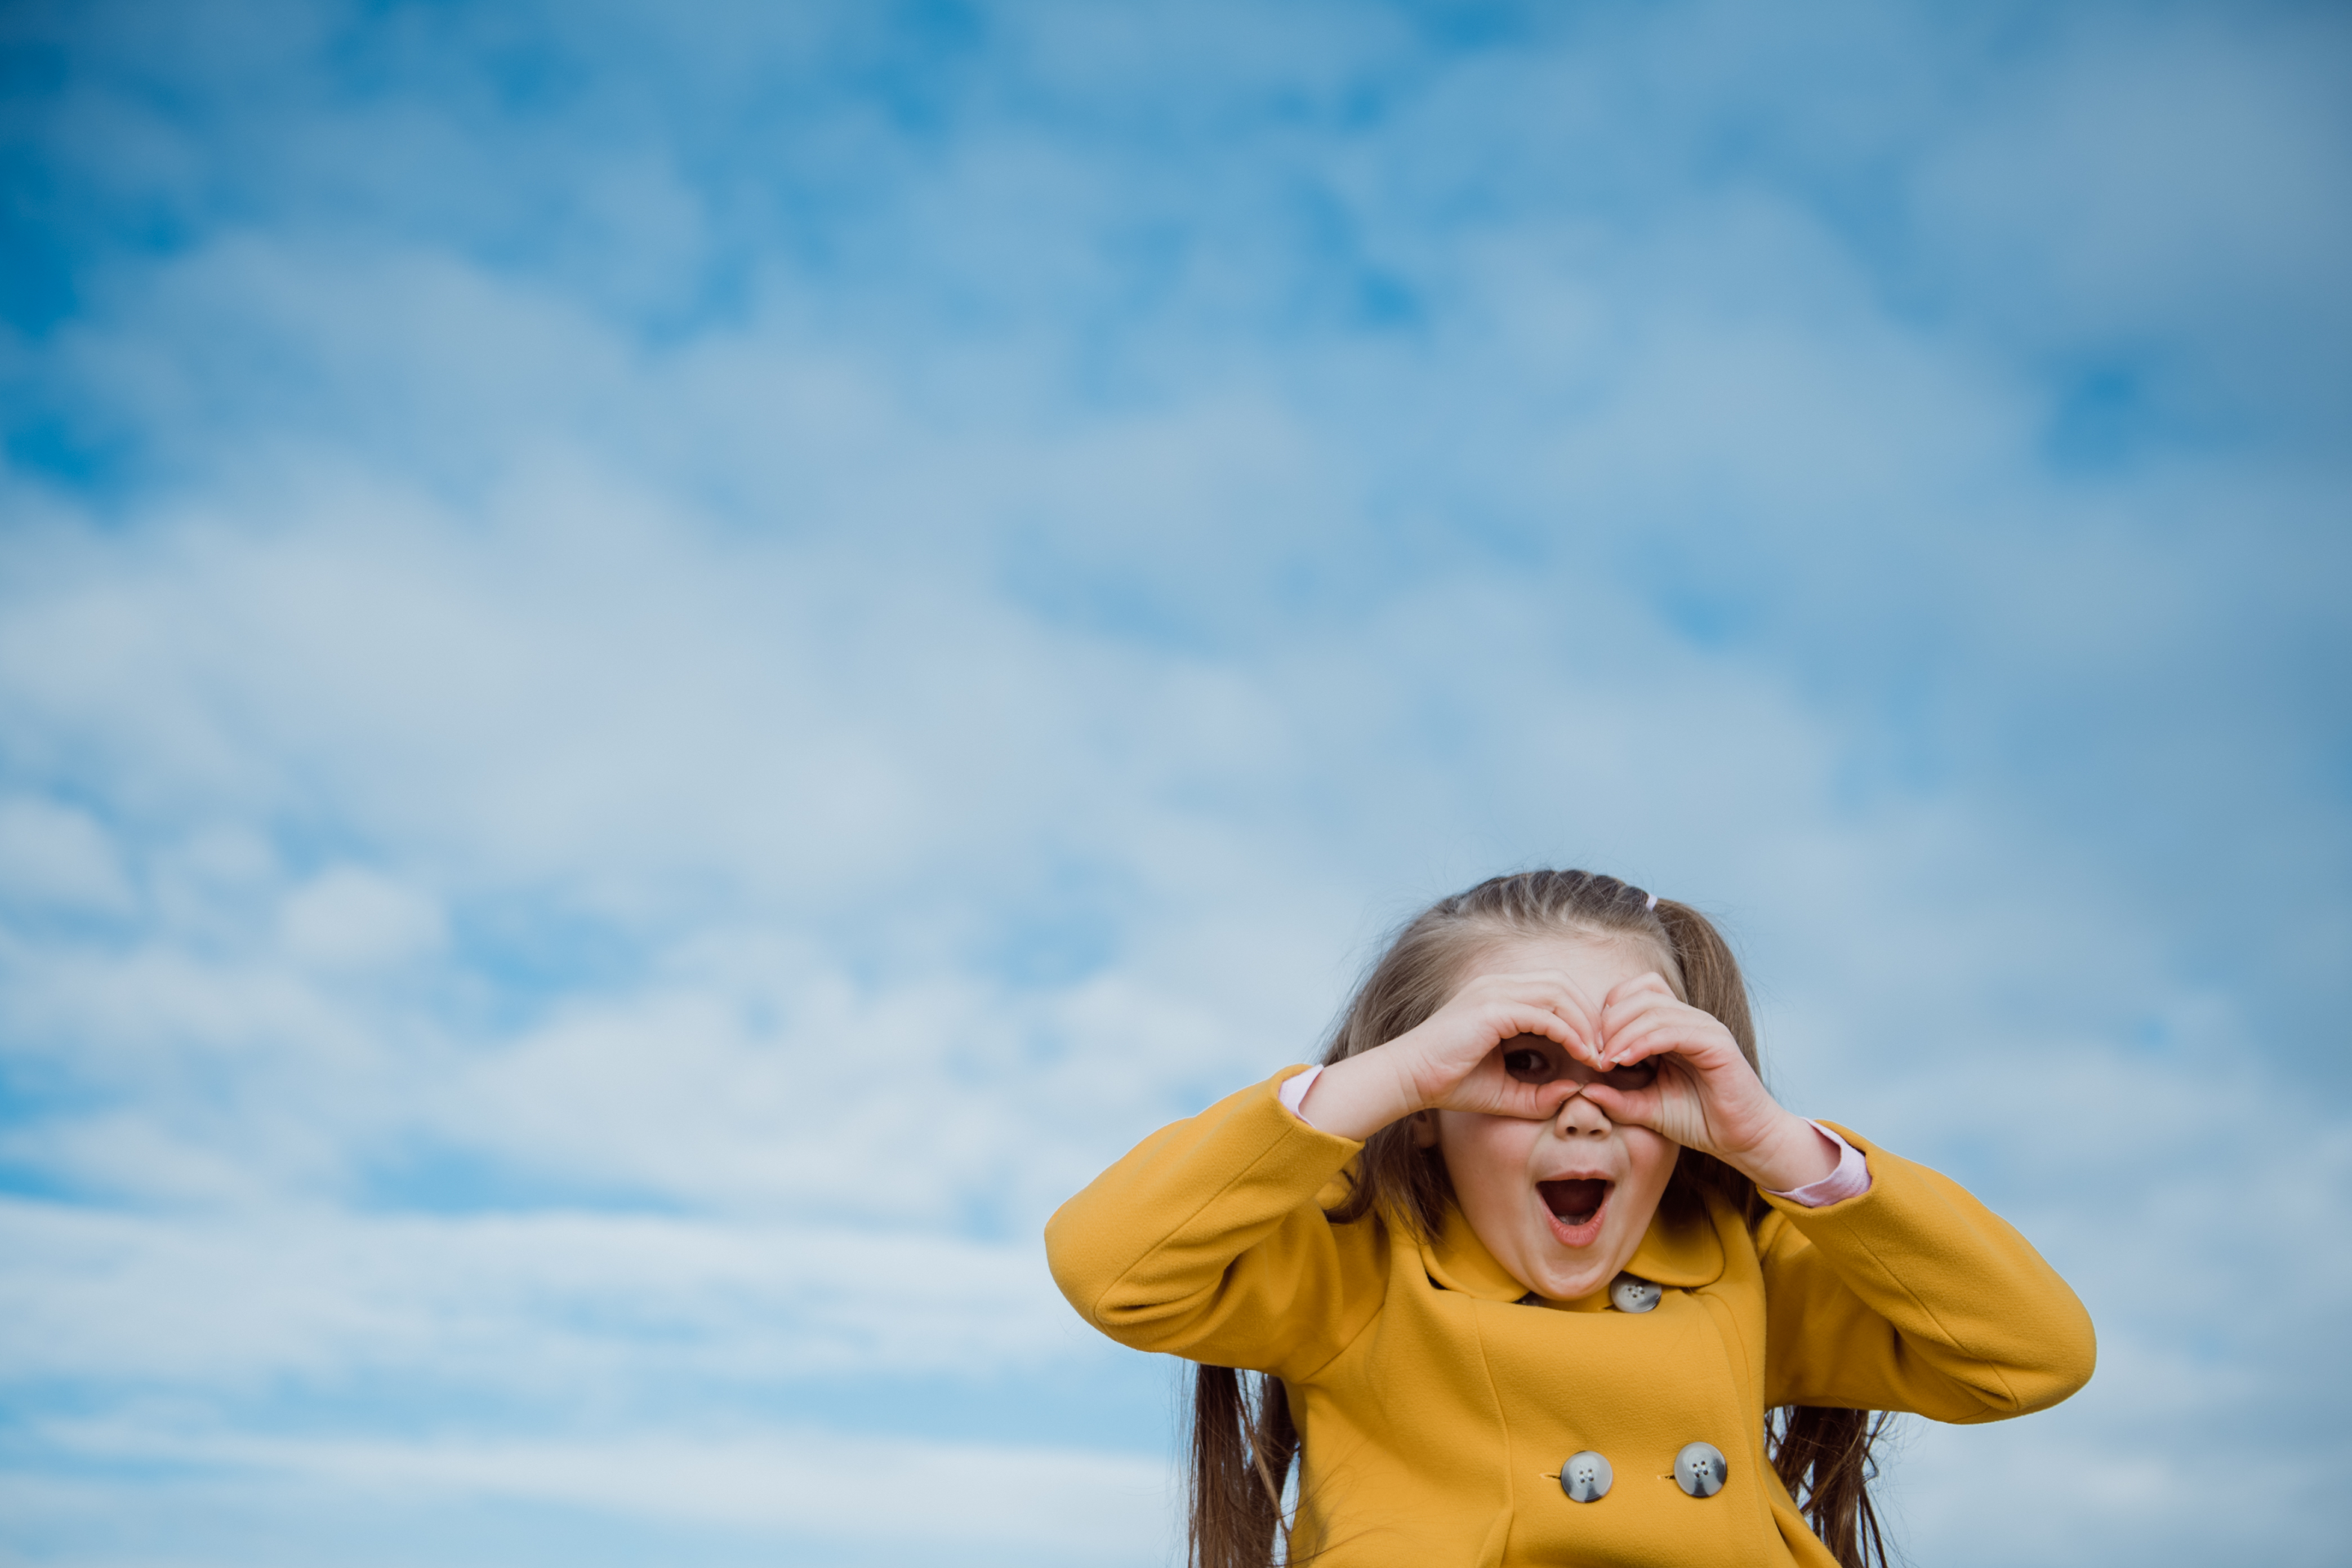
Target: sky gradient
x=663 y=668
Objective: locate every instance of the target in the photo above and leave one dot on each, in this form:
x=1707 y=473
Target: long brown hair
x=1244 y=1441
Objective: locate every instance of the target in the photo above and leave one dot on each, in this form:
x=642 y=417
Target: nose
x=1580 y=1118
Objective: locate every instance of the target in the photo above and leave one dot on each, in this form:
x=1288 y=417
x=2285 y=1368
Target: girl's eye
x=1641 y=1075
x=1527 y=1066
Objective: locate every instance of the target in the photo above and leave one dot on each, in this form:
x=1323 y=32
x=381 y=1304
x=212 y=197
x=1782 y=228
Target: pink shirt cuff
x=1850 y=1180
x=1294 y=1090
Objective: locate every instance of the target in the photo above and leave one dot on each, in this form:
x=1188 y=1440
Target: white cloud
x=347 y=918
x=2062 y=1490
x=576 y=1310
x=52 y=855
x=901 y=1497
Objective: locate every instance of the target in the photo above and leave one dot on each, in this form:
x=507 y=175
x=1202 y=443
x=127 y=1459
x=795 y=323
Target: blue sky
x=663 y=667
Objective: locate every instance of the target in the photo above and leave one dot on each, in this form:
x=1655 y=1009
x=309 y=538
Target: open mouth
x=1575 y=1205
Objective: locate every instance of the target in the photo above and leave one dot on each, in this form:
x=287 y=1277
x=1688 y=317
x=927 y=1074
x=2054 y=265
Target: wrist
x=1357 y=1096
x=1796 y=1154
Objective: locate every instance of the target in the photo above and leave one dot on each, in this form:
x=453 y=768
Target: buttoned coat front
x=1436 y=1402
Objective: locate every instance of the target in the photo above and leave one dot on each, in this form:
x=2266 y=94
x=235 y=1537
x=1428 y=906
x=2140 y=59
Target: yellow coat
x=1434 y=1409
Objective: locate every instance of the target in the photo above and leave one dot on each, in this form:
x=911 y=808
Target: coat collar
x=1681 y=1248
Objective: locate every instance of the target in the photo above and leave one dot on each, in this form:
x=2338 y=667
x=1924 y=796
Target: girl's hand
x=1451 y=1062
x=1705 y=1095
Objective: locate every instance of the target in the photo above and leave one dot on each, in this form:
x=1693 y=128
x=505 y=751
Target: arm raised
x=1206 y=1241
x=1913 y=1296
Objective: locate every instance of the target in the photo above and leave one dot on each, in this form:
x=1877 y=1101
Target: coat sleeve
x=1915 y=1296
x=1206 y=1241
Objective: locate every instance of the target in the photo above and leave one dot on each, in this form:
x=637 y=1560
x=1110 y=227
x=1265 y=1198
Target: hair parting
x=1244 y=1442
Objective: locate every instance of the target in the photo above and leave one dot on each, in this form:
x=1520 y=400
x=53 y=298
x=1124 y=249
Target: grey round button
x=1629 y=1293
x=1700 y=1470
x=1585 y=1477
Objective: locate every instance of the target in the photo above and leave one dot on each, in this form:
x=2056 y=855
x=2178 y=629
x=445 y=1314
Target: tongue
x=1574 y=1201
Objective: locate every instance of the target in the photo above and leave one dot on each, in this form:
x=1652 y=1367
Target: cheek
x=1651 y=1158
x=1485 y=1153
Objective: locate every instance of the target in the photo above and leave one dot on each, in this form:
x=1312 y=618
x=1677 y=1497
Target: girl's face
x=1561 y=1203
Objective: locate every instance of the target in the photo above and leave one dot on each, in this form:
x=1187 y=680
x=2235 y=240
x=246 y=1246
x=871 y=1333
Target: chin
x=1571 y=1280
x=1579 y=1248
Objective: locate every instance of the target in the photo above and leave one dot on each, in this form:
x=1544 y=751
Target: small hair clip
x=1651 y=904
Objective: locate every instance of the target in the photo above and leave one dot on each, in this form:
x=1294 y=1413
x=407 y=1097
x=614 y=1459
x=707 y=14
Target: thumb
x=1559 y=1093
x=1632 y=1107
x=1536 y=1102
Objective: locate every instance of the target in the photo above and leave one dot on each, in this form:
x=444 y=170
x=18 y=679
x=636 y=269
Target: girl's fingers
x=1670 y=1026
x=1564 y=1018
x=1566 y=1003
x=1584 y=1044
x=1651 y=984
x=1546 y=1099
x=1531 y=1102
x=1628 y=995
x=1458 y=1047
x=1627 y=1012
x=1648 y=1038
x=1540 y=1019
x=1635 y=1108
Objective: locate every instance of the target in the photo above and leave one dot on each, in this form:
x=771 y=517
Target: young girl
x=1529 y=1258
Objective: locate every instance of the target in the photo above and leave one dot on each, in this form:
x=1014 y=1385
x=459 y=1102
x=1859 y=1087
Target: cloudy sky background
x=663 y=667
